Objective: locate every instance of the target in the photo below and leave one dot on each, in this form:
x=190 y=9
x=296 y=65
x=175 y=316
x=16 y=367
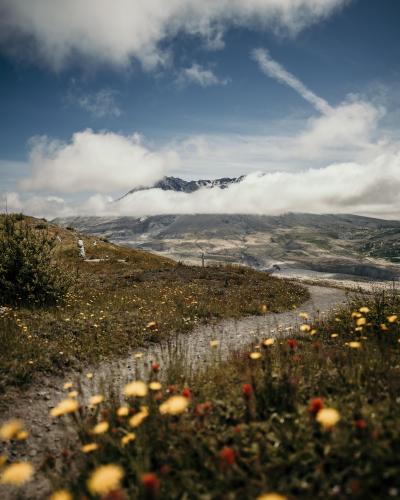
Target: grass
x=127 y=299
x=249 y=427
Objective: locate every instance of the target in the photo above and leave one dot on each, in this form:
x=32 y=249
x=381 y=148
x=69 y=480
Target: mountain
x=182 y=186
x=344 y=244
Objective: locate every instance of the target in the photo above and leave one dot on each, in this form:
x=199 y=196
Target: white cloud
x=99 y=104
x=103 y=30
x=99 y=162
x=275 y=70
x=200 y=76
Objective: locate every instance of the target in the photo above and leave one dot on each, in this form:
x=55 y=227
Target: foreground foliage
x=312 y=416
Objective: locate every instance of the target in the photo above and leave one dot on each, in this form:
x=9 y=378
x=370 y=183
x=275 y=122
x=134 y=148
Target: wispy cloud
x=100 y=104
x=275 y=70
x=199 y=75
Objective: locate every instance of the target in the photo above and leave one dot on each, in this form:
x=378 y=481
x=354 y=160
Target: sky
x=300 y=96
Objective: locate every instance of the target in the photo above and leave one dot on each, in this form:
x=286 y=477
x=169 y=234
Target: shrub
x=27 y=273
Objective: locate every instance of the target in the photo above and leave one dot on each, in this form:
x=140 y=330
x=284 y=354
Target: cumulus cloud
x=100 y=30
x=102 y=162
x=200 y=76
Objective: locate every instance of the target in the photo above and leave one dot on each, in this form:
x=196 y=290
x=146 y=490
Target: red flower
x=247 y=390
x=227 y=456
x=361 y=424
x=155 y=367
x=202 y=408
x=171 y=389
x=165 y=469
x=151 y=482
x=237 y=429
x=315 y=405
x=114 y=495
x=186 y=393
x=292 y=343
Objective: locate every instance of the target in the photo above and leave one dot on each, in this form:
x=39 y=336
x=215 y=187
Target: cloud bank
x=98 y=31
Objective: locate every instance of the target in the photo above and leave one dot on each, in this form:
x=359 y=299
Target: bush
x=27 y=273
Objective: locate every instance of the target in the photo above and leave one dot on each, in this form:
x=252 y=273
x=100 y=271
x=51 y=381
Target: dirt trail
x=34 y=404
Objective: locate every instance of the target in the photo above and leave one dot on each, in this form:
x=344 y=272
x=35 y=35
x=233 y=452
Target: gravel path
x=33 y=405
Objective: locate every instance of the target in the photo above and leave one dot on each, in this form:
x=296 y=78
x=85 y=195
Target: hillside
x=345 y=244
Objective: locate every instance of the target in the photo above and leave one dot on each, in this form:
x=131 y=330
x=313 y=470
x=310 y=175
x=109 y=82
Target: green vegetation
x=121 y=299
x=313 y=416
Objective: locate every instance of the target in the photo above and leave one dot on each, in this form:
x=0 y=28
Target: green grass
x=249 y=428
x=126 y=300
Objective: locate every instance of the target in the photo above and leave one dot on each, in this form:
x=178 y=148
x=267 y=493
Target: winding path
x=33 y=405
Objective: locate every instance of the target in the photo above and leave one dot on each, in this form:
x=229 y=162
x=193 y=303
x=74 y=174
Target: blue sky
x=197 y=100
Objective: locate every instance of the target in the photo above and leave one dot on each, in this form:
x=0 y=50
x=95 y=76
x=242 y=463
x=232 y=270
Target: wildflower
x=271 y=496
x=151 y=325
x=3 y=460
x=68 y=385
x=138 y=355
x=101 y=428
x=361 y=321
x=123 y=411
x=268 y=342
x=354 y=344
x=10 y=429
x=155 y=367
x=73 y=394
x=89 y=375
x=384 y=328
x=96 y=400
x=316 y=404
x=360 y=424
x=174 y=405
x=88 y=448
x=136 y=388
x=356 y=314
x=17 y=473
x=214 y=343
x=22 y=435
x=105 y=479
x=61 y=495
x=264 y=308
x=305 y=328
x=303 y=315
x=292 y=343
x=151 y=482
x=186 y=393
x=202 y=408
x=64 y=407
x=334 y=335
x=364 y=310
x=328 y=417
x=131 y=436
x=247 y=390
x=137 y=419
x=392 y=318
x=155 y=386
x=227 y=456
x=255 y=355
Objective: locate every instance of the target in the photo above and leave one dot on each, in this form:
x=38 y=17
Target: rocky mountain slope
x=345 y=244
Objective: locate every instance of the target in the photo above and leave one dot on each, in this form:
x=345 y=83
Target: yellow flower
x=255 y=355
x=61 y=495
x=3 y=460
x=131 y=436
x=334 y=335
x=96 y=400
x=68 y=385
x=22 y=435
x=136 y=388
x=138 y=355
x=123 y=411
x=392 y=318
x=73 y=394
x=356 y=314
x=328 y=417
x=354 y=344
x=17 y=473
x=364 y=310
x=89 y=375
x=101 y=428
x=264 y=308
x=384 y=328
x=64 y=407
x=88 y=448
x=137 y=419
x=174 y=405
x=268 y=342
x=155 y=386
x=214 y=343
x=303 y=315
x=361 y=322
x=313 y=332
x=271 y=496
x=10 y=429
x=104 y=479
x=305 y=328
